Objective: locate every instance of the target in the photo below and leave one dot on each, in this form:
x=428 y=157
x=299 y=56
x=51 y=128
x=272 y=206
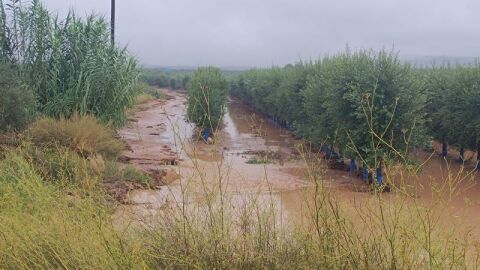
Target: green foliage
x=144 y=88
x=16 y=102
x=207 y=96
x=132 y=174
x=257 y=161
x=366 y=104
x=372 y=106
x=172 y=79
x=453 y=105
x=70 y=65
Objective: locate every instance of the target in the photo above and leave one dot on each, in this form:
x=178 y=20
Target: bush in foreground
x=44 y=228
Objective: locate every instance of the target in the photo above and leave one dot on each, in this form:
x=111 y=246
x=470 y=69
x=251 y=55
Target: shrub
x=16 y=102
x=207 y=96
x=83 y=135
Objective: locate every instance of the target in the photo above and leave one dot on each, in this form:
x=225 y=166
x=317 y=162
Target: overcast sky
x=266 y=32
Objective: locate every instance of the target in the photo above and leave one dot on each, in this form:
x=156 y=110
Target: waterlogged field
x=258 y=172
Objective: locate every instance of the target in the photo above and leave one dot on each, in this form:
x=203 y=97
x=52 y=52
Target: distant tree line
x=173 y=80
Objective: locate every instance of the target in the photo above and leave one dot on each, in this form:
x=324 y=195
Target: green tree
x=439 y=84
x=207 y=96
x=375 y=105
x=365 y=104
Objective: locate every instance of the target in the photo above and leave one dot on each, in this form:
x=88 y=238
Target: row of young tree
x=66 y=65
x=368 y=106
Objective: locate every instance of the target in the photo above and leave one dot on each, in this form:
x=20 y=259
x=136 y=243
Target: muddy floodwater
x=254 y=159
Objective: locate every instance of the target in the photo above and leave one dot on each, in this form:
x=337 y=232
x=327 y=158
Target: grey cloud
x=262 y=32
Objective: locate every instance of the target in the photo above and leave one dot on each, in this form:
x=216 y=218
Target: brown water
x=223 y=168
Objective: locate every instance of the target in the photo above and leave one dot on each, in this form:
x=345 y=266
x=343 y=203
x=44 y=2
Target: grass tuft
x=83 y=135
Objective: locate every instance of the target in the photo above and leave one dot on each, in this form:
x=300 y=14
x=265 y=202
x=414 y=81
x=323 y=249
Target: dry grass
x=83 y=135
x=47 y=227
x=50 y=226
x=382 y=232
x=143 y=98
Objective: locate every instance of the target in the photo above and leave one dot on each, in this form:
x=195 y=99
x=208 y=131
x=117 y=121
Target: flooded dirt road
x=161 y=139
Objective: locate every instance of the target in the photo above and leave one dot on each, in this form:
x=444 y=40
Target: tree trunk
x=478 y=156
x=462 y=154
x=365 y=172
x=444 y=149
x=379 y=175
x=352 y=166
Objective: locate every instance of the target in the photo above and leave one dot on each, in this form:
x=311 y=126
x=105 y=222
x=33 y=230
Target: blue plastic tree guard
x=379 y=176
x=352 y=166
x=364 y=172
x=206 y=133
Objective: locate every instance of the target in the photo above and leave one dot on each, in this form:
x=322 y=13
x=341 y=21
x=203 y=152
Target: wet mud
x=253 y=157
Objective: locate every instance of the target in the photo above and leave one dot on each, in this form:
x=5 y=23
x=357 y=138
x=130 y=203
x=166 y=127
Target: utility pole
x=112 y=23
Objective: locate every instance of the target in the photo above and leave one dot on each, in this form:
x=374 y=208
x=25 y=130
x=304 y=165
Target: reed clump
x=68 y=64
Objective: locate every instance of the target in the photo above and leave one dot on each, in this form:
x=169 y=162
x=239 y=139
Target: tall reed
x=69 y=63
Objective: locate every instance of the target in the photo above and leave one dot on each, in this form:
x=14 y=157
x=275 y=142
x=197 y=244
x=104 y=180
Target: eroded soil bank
x=254 y=158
